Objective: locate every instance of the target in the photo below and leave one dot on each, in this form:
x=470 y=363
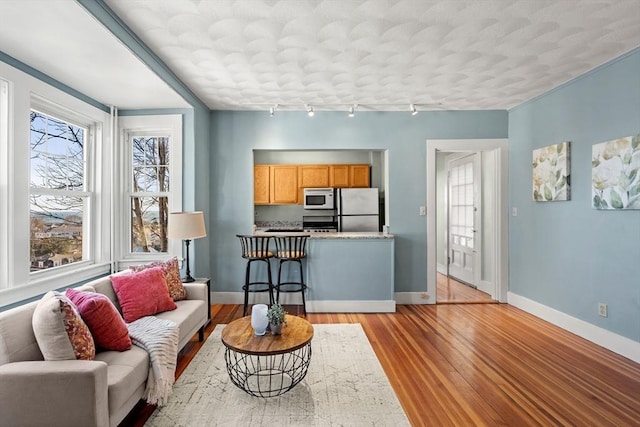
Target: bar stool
x=256 y=248
x=291 y=249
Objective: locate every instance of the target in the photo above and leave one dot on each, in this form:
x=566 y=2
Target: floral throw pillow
x=172 y=275
x=60 y=331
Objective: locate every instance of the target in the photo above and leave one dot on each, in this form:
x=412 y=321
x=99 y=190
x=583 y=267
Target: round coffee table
x=268 y=365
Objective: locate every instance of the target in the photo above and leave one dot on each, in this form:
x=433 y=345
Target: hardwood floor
x=451 y=291
x=484 y=365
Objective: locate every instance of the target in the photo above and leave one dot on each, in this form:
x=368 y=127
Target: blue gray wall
x=567 y=255
x=234 y=136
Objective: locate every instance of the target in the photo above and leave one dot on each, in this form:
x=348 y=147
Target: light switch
x=514 y=211
x=423 y=210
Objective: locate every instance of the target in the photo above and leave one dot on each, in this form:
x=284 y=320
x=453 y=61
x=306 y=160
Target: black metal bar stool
x=256 y=248
x=291 y=249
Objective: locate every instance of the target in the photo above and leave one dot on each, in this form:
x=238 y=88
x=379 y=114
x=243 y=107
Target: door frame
x=500 y=256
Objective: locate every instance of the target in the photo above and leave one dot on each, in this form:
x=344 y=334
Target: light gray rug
x=345 y=386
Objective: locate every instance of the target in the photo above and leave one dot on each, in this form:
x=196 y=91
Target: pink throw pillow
x=142 y=294
x=101 y=316
x=172 y=275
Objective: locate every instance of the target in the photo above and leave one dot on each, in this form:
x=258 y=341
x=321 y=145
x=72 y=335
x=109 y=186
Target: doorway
x=494 y=264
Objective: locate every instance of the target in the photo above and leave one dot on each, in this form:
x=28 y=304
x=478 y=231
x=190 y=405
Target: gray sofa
x=99 y=392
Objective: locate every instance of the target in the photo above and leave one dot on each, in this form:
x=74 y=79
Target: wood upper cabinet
x=339 y=176
x=311 y=176
x=359 y=176
x=353 y=176
x=283 y=182
x=261 y=184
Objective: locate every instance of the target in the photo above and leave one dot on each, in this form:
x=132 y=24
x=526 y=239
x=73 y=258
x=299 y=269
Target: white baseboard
x=441 y=268
x=412 y=298
x=313 y=306
x=607 y=339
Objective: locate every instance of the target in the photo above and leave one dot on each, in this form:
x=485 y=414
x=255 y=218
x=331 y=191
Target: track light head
x=352 y=111
x=309 y=108
x=272 y=110
x=413 y=110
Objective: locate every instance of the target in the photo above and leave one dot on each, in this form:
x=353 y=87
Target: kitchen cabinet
x=261 y=184
x=312 y=176
x=359 y=176
x=349 y=176
x=283 y=184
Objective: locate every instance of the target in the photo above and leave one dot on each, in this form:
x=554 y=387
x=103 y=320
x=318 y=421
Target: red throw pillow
x=142 y=294
x=101 y=316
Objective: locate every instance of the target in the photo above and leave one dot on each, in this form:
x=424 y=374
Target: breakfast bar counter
x=348 y=271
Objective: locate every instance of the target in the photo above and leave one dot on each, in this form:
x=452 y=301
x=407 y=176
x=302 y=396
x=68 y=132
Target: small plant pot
x=276 y=329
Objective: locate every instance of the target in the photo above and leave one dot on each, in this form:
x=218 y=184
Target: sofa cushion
x=172 y=275
x=125 y=373
x=142 y=294
x=188 y=317
x=101 y=316
x=60 y=331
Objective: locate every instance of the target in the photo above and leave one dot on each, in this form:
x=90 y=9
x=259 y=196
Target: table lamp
x=186 y=226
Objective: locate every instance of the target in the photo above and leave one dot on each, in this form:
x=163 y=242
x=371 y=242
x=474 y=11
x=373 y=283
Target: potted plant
x=276 y=314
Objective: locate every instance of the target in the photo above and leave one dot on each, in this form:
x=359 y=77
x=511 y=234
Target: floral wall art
x=551 y=173
x=615 y=174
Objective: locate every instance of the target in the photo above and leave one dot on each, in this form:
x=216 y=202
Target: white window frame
x=5 y=174
x=131 y=126
x=24 y=93
x=88 y=194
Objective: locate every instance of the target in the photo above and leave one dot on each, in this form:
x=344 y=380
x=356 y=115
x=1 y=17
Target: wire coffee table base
x=268 y=375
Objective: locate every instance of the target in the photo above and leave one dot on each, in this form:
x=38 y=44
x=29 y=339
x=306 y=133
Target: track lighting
x=352 y=110
x=413 y=109
x=272 y=110
x=309 y=110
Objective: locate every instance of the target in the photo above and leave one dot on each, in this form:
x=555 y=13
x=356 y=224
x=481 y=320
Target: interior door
x=464 y=218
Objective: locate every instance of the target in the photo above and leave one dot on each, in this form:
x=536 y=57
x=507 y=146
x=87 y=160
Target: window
x=60 y=197
x=149 y=193
x=151 y=184
x=4 y=181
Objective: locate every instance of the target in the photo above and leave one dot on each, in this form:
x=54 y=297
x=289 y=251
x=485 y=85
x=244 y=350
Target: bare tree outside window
x=58 y=196
x=150 y=191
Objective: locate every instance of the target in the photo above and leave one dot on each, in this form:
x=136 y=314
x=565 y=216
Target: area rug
x=345 y=386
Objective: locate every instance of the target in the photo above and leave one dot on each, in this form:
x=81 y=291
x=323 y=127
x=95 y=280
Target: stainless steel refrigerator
x=357 y=209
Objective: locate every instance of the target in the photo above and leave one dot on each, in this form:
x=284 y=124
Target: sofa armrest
x=196 y=291
x=60 y=393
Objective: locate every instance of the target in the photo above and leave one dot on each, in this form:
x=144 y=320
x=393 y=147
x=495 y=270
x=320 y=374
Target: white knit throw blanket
x=160 y=338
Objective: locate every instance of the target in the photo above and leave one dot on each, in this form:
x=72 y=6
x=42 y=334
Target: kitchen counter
x=347 y=272
x=335 y=235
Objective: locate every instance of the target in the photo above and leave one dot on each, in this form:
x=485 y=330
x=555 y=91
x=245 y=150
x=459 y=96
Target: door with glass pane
x=464 y=217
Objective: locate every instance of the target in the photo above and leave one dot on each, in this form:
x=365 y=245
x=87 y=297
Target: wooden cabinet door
x=261 y=184
x=284 y=184
x=339 y=176
x=359 y=176
x=311 y=176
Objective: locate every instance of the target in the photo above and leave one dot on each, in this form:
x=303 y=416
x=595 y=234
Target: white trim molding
x=617 y=343
x=410 y=298
x=337 y=306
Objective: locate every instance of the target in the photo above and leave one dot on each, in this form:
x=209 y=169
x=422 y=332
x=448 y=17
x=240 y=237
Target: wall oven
x=319 y=198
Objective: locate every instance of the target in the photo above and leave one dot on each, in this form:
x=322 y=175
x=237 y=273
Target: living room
x=563 y=258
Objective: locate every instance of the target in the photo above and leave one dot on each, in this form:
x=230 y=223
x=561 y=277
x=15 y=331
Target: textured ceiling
x=380 y=54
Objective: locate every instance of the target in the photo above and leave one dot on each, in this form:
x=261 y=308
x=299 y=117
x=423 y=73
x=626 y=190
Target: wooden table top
x=238 y=336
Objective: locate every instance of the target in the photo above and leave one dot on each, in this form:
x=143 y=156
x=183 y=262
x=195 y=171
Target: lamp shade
x=186 y=225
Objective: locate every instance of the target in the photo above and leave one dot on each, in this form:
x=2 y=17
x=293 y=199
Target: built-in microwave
x=319 y=198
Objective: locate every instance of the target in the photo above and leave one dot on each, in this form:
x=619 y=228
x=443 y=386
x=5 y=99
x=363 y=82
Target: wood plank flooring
x=482 y=365
x=451 y=291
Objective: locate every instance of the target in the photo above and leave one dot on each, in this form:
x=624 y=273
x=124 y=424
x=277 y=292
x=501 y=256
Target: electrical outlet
x=423 y=210
x=602 y=309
